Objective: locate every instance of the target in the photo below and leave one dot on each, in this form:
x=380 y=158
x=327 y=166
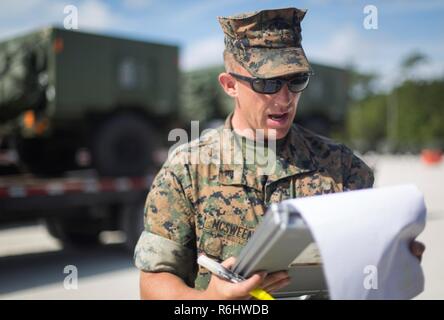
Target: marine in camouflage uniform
x=213 y=208
x=213 y=205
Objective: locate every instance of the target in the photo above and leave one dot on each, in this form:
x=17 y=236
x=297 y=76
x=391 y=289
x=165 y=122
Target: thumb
x=252 y=282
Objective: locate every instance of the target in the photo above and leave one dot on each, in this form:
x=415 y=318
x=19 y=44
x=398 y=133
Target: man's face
x=264 y=111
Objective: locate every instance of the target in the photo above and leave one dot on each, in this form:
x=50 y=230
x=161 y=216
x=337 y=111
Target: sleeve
x=357 y=174
x=167 y=243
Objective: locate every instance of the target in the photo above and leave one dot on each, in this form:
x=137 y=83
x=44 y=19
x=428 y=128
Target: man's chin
x=276 y=134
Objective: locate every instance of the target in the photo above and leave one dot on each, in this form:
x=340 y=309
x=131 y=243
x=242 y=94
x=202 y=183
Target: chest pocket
x=221 y=239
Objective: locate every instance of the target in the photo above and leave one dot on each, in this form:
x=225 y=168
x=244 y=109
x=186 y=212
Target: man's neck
x=240 y=128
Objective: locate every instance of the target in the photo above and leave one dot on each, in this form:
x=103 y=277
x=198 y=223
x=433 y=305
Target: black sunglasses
x=295 y=84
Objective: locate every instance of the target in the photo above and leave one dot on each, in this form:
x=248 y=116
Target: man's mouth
x=278 y=117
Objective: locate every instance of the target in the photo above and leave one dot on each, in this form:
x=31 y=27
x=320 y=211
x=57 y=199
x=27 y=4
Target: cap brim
x=274 y=62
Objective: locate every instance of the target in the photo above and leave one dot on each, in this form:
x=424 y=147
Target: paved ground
x=32 y=267
x=32 y=263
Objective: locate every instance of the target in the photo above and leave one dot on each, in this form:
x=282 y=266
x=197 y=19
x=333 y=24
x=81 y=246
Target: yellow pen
x=222 y=272
x=261 y=294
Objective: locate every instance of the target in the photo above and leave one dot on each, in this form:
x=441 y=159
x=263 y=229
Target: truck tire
x=73 y=234
x=123 y=146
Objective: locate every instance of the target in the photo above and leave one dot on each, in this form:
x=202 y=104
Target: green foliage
x=408 y=118
x=421 y=114
x=412 y=60
x=366 y=122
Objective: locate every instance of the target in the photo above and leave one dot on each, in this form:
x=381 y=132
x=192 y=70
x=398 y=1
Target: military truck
x=70 y=99
x=322 y=106
x=82 y=120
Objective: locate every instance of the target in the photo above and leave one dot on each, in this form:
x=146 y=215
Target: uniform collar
x=294 y=158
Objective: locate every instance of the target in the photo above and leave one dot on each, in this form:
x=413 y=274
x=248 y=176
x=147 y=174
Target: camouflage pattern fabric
x=267 y=43
x=213 y=207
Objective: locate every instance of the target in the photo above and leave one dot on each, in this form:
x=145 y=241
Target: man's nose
x=283 y=97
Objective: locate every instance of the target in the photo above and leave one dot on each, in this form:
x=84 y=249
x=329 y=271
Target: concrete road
x=32 y=266
x=32 y=263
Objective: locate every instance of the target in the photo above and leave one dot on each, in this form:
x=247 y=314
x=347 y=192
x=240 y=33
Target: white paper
x=364 y=236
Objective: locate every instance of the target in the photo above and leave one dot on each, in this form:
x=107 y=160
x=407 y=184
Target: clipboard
x=283 y=241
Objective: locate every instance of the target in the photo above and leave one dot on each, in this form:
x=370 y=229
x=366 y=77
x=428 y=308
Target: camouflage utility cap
x=267 y=43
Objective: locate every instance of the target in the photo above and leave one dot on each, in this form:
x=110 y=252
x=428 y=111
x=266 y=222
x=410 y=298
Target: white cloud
x=375 y=52
x=203 y=53
x=95 y=15
x=338 y=50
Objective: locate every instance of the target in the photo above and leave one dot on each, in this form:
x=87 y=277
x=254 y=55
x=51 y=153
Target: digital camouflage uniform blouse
x=213 y=207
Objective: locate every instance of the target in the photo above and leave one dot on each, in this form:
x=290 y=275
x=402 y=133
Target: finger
x=274 y=277
x=249 y=284
x=277 y=285
x=228 y=263
x=417 y=248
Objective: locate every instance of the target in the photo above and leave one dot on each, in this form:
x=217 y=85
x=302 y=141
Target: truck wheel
x=132 y=224
x=124 y=146
x=73 y=235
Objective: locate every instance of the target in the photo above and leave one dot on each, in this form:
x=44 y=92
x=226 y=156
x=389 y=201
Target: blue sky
x=333 y=31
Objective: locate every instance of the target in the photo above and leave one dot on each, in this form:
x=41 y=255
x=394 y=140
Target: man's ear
x=228 y=83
